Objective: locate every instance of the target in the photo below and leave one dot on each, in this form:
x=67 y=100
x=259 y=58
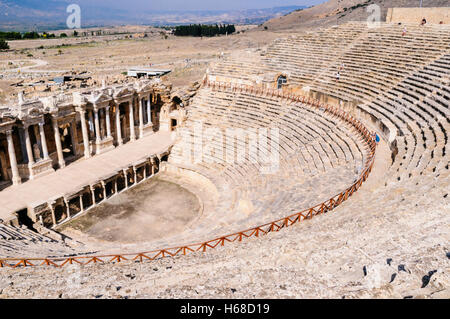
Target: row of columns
x=92 y=188
x=98 y=137
x=16 y=179
x=59 y=149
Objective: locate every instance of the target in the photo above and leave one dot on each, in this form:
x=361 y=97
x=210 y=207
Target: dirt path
x=28 y=69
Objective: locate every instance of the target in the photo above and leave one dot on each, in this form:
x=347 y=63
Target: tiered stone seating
x=370 y=60
x=318 y=155
x=400 y=82
x=418 y=108
x=381 y=58
x=306 y=56
x=240 y=66
x=22 y=242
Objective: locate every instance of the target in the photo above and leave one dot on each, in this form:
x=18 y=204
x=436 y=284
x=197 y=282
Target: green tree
x=200 y=30
x=31 y=35
x=4 y=45
x=10 y=35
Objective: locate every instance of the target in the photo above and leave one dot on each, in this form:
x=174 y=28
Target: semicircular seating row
x=401 y=81
x=319 y=156
x=22 y=242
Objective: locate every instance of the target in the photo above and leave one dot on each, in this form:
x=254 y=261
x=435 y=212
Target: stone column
x=53 y=215
x=149 y=111
x=81 y=204
x=118 y=127
x=93 y=195
x=91 y=121
x=141 y=119
x=108 y=122
x=97 y=127
x=67 y=209
x=12 y=159
x=29 y=152
x=43 y=141
x=104 y=190
x=87 y=148
x=125 y=174
x=29 y=149
x=59 y=150
x=132 y=131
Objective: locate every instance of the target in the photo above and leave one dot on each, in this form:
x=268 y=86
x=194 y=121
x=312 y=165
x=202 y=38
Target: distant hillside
x=335 y=12
x=24 y=15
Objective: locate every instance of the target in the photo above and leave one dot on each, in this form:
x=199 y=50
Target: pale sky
x=163 y=5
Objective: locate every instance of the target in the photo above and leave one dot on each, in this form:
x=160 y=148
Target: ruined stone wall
x=415 y=15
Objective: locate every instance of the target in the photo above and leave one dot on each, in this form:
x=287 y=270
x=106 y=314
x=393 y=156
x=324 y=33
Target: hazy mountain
x=335 y=12
x=24 y=15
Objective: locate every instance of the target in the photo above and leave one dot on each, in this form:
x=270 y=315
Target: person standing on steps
x=404 y=31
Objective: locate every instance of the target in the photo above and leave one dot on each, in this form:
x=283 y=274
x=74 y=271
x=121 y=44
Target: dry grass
x=109 y=56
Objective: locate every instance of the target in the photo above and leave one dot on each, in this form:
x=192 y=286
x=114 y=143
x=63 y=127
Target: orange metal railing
x=257 y=231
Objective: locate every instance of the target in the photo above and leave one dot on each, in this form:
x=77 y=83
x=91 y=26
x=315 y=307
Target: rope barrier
x=257 y=231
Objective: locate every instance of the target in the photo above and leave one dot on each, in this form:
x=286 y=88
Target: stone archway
x=67 y=140
x=124 y=109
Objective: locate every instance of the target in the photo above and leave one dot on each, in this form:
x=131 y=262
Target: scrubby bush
x=4 y=45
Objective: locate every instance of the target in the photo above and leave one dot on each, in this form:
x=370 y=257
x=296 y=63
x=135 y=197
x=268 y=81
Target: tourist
x=424 y=21
x=404 y=31
x=338 y=76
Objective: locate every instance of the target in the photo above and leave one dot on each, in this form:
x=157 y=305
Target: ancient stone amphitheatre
x=135 y=183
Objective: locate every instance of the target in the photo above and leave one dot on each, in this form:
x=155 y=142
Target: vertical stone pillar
x=153 y=166
x=104 y=190
x=93 y=195
x=81 y=204
x=97 y=127
x=12 y=159
x=132 y=131
x=53 y=214
x=37 y=133
x=29 y=147
x=59 y=150
x=67 y=209
x=118 y=127
x=125 y=174
x=149 y=111
x=108 y=122
x=91 y=121
x=43 y=141
x=141 y=119
x=87 y=148
x=29 y=152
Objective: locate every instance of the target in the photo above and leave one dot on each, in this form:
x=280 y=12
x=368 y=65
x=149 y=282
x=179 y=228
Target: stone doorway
x=67 y=141
x=124 y=110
